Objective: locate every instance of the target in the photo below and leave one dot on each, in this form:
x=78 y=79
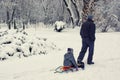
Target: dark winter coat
x=69 y=60
x=88 y=30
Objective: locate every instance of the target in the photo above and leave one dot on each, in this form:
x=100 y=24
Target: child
x=69 y=60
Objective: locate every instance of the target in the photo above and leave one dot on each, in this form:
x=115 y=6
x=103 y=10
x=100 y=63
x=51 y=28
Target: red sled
x=65 y=68
x=62 y=69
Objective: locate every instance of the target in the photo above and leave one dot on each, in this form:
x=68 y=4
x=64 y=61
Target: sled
x=62 y=69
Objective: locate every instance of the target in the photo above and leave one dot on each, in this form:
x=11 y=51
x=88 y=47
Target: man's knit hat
x=90 y=17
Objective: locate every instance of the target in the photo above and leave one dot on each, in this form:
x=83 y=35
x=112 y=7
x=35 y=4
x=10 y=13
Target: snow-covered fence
x=59 y=26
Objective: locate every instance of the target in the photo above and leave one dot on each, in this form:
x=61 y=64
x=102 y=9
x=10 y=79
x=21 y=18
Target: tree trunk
x=9 y=25
x=10 y=20
x=68 y=9
x=75 y=18
x=23 y=26
x=15 y=27
x=88 y=9
x=76 y=9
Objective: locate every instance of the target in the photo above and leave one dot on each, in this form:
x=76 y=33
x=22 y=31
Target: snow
x=59 y=24
x=41 y=67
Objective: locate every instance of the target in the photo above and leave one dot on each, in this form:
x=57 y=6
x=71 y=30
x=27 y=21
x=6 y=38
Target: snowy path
x=107 y=59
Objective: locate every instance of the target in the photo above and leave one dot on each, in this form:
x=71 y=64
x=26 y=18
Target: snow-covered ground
x=41 y=67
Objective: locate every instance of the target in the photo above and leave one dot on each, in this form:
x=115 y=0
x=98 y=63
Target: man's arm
x=92 y=32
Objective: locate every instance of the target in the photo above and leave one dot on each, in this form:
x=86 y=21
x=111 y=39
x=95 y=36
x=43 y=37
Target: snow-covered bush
x=59 y=26
x=14 y=43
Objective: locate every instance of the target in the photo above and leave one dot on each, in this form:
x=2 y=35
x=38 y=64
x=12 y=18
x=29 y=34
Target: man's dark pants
x=86 y=43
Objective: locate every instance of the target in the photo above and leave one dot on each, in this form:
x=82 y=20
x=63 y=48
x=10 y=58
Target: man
x=88 y=37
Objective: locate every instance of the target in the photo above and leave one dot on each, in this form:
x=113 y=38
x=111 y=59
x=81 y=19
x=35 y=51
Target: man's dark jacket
x=88 y=30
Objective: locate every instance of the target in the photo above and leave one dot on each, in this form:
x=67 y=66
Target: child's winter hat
x=69 y=49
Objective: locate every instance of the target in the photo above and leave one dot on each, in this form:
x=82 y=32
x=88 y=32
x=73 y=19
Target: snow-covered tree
x=73 y=10
x=107 y=15
x=70 y=11
x=8 y=8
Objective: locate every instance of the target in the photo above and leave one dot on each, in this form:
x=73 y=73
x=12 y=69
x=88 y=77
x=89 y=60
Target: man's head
x=90 y=17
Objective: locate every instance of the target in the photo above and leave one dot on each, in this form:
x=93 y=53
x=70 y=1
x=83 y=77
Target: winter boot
x=81 y=65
